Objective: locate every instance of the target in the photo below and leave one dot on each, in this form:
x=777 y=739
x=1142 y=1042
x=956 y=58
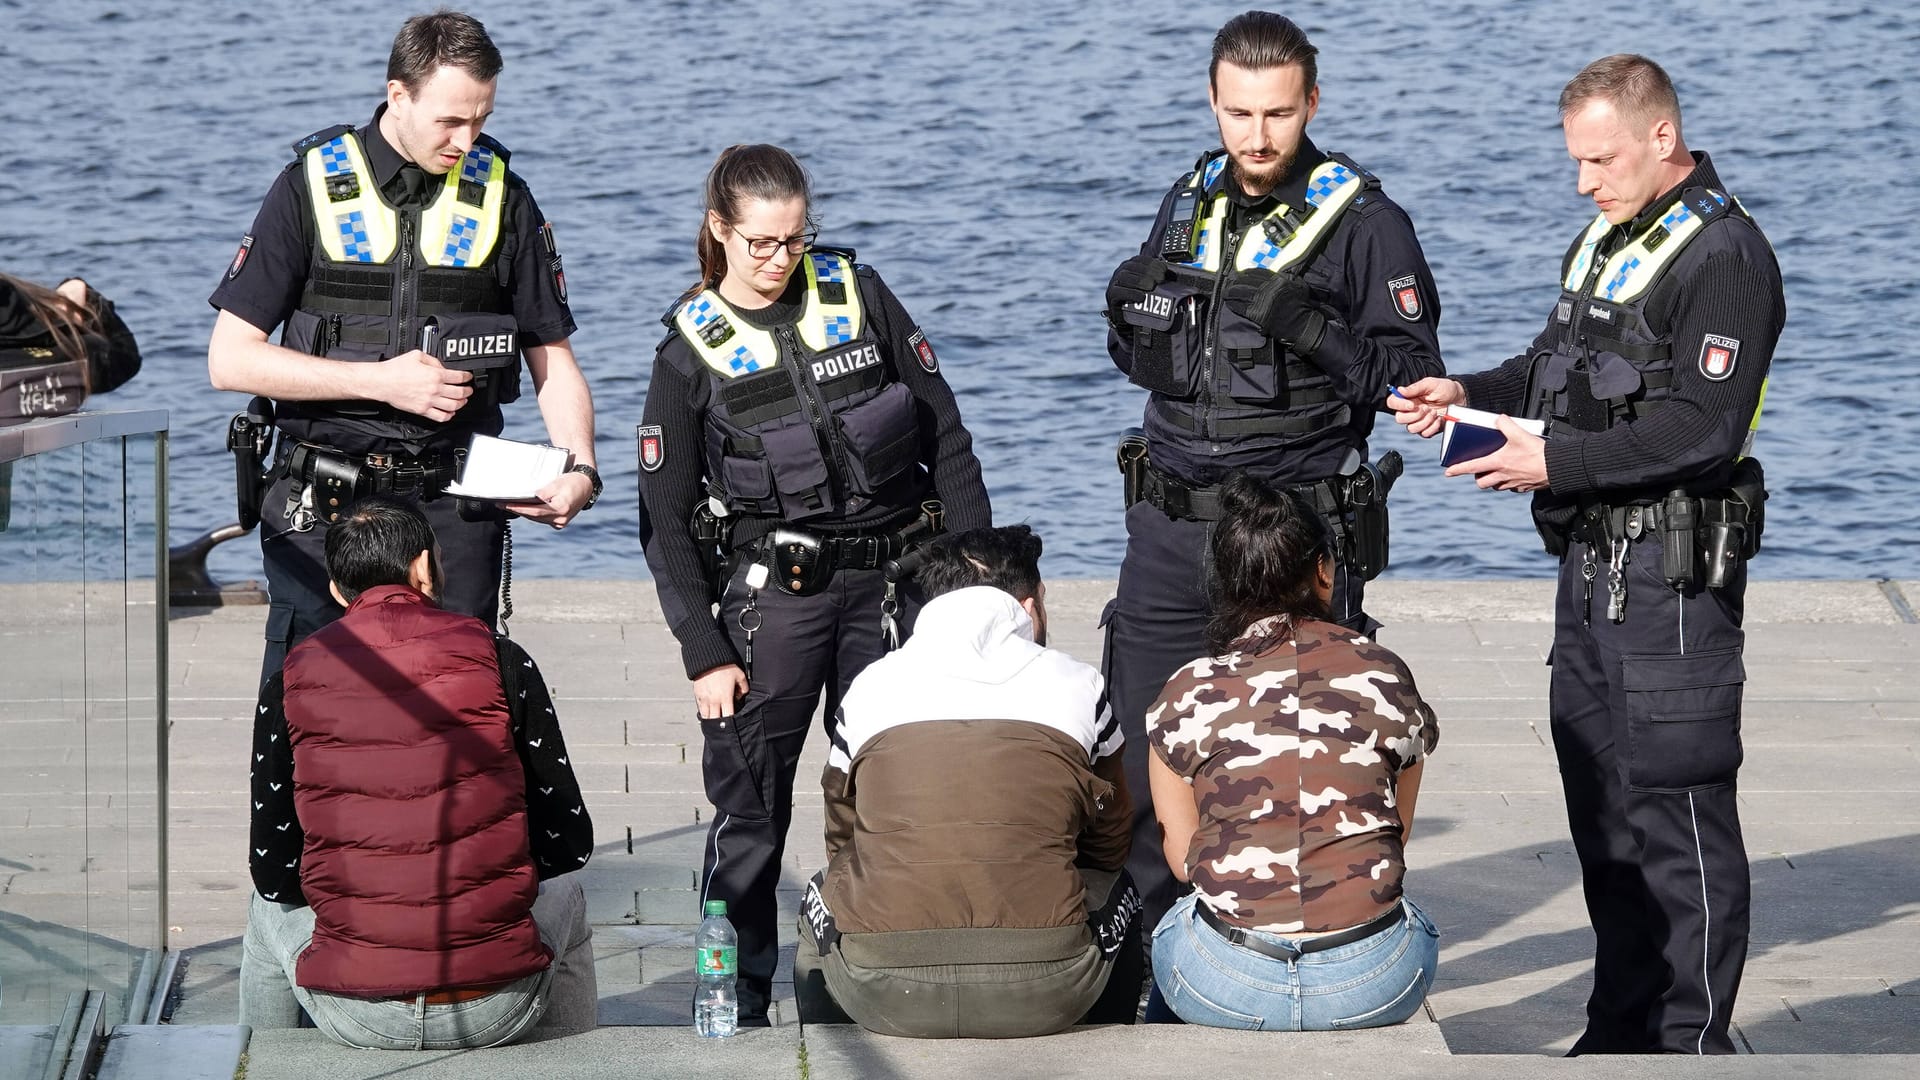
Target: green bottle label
x=720 y=961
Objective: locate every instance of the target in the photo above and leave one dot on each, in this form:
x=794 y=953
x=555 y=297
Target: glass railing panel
x=81 y=745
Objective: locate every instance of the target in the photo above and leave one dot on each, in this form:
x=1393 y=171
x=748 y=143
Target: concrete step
x=173 y=1052
x=828 y=1052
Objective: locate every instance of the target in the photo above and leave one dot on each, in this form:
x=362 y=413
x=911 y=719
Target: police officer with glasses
x=1650 y=373
x=1279 y=294
x=797 y=440
x=413 y=275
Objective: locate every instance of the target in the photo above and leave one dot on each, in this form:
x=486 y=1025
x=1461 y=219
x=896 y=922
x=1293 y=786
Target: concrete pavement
x=1830 y=801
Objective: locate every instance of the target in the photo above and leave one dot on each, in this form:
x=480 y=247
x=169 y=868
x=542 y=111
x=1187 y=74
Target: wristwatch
x=593 y=475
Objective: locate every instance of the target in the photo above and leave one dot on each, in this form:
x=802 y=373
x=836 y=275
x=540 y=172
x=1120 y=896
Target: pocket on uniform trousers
x=1683 y=720
x=733 y=762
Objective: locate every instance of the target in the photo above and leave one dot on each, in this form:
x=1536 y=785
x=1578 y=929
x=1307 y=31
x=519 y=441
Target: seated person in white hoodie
x=977 y=823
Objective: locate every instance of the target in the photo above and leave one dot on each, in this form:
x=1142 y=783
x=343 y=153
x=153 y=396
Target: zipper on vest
x=817 y=414
x=404 y=299
x=1212 y=338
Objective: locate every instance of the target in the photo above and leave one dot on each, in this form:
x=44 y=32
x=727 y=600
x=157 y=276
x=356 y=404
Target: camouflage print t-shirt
x=1292 y=754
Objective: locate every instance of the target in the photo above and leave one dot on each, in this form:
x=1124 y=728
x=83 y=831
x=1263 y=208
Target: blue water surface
x=995 y=161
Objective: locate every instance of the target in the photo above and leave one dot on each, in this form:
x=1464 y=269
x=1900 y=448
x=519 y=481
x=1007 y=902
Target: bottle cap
x=716 y=907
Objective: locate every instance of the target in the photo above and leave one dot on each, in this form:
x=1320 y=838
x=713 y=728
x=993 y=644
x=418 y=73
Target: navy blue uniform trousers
x=1646 y=725
x=296 y=566
x=804 y=645
x=1157 y=624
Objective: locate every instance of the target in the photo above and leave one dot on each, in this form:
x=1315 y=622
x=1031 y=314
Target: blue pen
x=1396 y=393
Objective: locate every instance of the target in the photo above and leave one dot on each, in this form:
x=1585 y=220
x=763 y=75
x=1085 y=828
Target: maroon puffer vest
x=413 y=802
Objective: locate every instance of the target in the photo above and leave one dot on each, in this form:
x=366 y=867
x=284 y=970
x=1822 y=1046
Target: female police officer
x=797 y=436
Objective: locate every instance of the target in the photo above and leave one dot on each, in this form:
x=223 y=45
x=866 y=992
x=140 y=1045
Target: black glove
x=1131 y=282
x=1279 y=304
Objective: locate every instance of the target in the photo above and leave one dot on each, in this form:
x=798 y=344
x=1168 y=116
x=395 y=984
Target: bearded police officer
x=411 y=272
x=1278 y=296
x=1650 y=373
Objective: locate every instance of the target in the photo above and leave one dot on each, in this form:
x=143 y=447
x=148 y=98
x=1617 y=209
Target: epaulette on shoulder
x=493 y=144
x=1366 y=174
x=844 y=252
x=324 y=135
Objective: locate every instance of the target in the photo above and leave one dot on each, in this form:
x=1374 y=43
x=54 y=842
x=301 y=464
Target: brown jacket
x=972 y=774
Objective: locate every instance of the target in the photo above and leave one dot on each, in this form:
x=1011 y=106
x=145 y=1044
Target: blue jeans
x=563 y=999
x=1373 y=982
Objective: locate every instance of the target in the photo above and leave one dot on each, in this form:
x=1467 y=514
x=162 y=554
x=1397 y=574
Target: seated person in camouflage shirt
x=1284 y=770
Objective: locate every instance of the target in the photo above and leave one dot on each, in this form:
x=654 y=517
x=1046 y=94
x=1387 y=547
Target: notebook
x=1472 y=433
x=502 y=470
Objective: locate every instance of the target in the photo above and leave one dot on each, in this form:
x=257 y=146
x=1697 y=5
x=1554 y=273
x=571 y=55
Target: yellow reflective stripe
x=1206 y=236
x=825 y=325
x=360 y=229
x=1344 y=186
x=1631 y=271
x=1753 y=425
x=1583 y=259
x=1340 y=195
x=457 y=234
x=743 y=350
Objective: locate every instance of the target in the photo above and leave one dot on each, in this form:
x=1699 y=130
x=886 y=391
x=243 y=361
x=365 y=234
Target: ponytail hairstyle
x=67 y=323
x=1266 y=550
x=744 y=173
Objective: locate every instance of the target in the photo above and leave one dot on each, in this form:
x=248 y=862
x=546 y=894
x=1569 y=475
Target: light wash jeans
x=1373 y=982
x=561 y=1000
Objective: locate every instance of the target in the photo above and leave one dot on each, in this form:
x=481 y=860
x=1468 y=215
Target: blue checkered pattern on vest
x=1268 y=254
x=1620 y=277
x=353 y=236
x=460 y=239
x=476 y=165
x=333 y=157
x=1324 y=186
x=702 y=311
x=1677 y=217
x=1213 y=170
x=826 y=268
x=742 y=361
x=839 y=329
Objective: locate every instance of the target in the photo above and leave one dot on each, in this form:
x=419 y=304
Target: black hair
x=1007 y=558
x=446 y=38
x=1266 y=551
x=1258 y=40
x=375 y=542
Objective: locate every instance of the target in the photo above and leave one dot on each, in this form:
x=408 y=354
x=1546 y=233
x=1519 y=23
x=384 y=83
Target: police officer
x=797 y=438
x=1278 y=296
x=412 y=272
x=1650 y=372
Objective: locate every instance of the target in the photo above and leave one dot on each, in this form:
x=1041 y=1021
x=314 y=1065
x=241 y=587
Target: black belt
x=860 y=551
x=1246 y=940
x=382 y=473
x=1178 y=499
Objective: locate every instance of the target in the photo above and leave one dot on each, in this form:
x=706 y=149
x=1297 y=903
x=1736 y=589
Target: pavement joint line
x=1897 y=600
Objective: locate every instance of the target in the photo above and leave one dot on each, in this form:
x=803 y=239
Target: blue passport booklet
x=1472 y=433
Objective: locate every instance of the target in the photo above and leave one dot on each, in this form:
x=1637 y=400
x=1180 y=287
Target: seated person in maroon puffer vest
x=414 y=820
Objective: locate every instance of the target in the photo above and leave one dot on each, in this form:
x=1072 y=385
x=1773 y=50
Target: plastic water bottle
x=716 y=1005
